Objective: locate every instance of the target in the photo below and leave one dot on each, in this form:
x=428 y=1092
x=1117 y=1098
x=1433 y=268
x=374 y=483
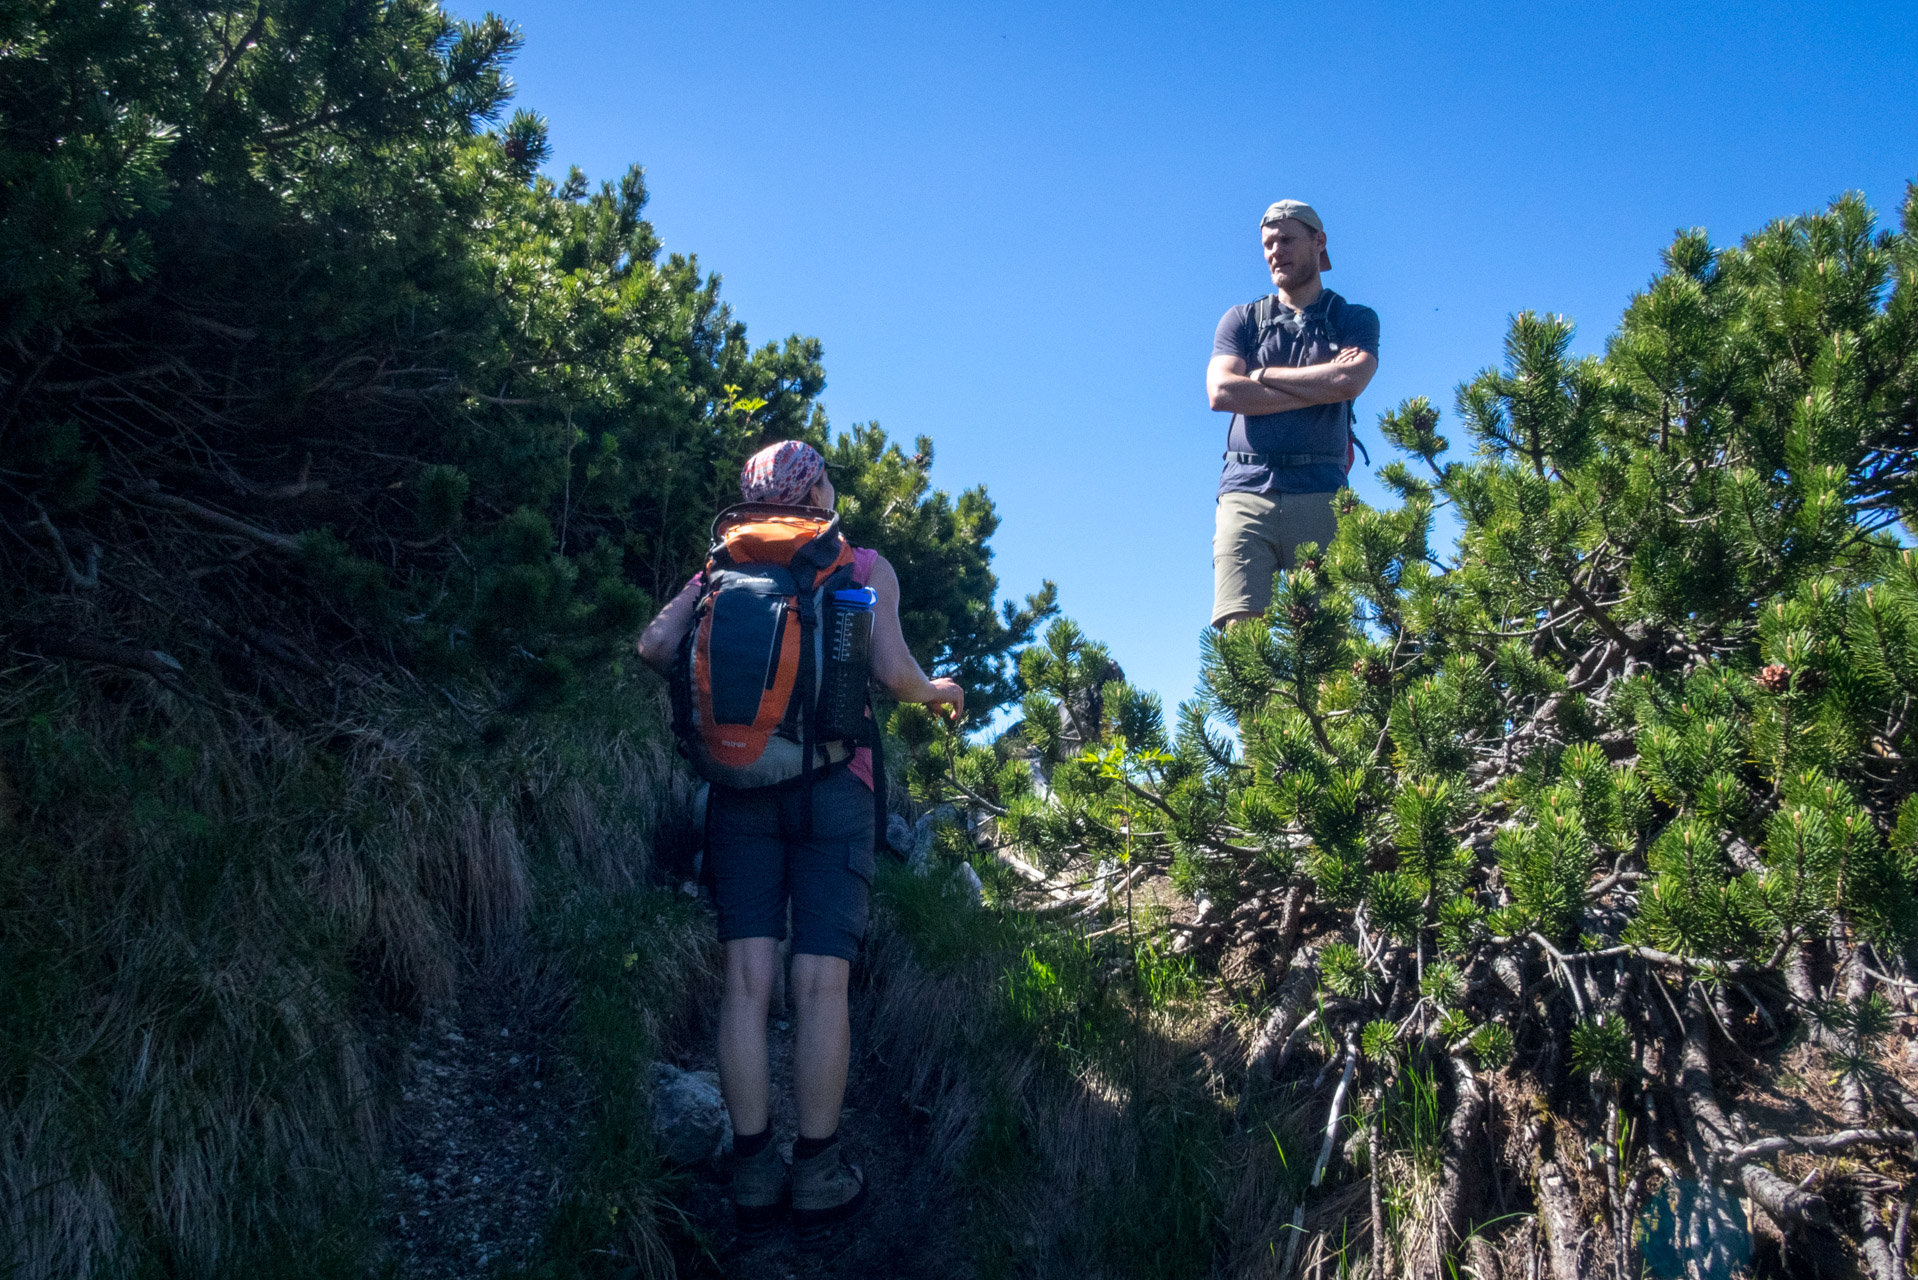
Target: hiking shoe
x=826 y=1192
x=761 y=1191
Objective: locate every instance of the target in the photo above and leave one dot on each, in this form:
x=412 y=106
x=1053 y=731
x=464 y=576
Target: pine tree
x=1608 y=800
x=315 y=302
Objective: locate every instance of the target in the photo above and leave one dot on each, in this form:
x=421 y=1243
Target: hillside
x=342 y=454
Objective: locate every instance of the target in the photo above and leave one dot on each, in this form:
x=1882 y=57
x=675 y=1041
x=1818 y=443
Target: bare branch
x=218 y=520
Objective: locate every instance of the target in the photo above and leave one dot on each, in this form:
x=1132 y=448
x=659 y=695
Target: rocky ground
x=474 y=1164
x=476 y=1160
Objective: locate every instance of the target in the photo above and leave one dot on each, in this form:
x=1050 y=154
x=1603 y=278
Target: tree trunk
x=1567 y=1244
x=1455 y=1166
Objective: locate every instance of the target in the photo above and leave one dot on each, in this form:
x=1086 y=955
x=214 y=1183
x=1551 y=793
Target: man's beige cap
x=1298 y=210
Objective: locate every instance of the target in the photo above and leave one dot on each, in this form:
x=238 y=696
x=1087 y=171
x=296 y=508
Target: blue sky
x=1014 y=227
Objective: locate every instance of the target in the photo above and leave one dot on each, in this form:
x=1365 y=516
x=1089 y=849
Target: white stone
x=689 y=1114
x=920 y=859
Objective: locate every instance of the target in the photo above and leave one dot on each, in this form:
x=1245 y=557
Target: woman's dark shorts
x=761 y=855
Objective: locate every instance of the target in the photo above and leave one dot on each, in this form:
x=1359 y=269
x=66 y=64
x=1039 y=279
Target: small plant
x=1602 y=1047
x=1345 y=973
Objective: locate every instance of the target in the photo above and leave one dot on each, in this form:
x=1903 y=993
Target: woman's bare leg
x=743 y=1073
x=822 y=1041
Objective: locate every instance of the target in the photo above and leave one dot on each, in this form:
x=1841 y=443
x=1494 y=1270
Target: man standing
x=1287 y=369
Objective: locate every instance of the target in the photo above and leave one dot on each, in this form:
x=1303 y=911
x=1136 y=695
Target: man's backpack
x=746 y=686
x=1265 y=315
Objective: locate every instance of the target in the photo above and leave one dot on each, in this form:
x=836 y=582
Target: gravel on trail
x=475 y=1162
x=910 y=1227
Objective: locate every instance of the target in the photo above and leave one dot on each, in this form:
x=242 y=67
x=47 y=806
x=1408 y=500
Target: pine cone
x=1312 y=564
x=1299 y=614
x=1373 y=672
x=515 y=148
x=1810 y=681
x=1279 y=771
x=1775 y=678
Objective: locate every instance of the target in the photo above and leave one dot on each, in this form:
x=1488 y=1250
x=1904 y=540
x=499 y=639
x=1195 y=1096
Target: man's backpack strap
x=1335 y=338
x=1263 y=315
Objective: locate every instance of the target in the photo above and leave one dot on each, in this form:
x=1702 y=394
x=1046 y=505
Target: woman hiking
x=808 y=840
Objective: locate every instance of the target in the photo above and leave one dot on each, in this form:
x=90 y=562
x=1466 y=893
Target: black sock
x=806 y=1148
x=748 y=1145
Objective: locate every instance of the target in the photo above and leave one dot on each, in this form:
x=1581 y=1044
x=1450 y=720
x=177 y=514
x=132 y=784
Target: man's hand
x=946 y=695
x=1229 y=389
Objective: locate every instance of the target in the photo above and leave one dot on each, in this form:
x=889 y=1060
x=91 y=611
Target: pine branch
x=225 y=523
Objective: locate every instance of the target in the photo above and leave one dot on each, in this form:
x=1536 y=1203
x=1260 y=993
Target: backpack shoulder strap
x=1261 y=315
x=1335 y=320
x=1335 y=335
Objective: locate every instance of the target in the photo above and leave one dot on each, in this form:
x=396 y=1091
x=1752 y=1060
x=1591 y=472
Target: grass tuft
x=1066 y=1083
x=206 y=922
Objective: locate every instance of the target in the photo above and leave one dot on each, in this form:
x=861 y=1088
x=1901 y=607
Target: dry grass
x=1084 y=1126
x=198 y=914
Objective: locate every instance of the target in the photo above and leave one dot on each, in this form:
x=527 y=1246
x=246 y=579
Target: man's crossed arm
x=1279 y=388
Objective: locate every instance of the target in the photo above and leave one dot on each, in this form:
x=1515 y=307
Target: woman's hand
x=949 y=693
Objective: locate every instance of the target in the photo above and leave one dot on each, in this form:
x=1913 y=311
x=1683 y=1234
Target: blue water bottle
x=848 y=663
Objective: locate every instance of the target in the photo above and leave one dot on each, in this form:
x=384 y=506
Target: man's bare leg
x=822 y=1041
x=744 y=1076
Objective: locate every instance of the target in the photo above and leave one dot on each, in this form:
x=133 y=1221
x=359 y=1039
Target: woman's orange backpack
x=747 y=683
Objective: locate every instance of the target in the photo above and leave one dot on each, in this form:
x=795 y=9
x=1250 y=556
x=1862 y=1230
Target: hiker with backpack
x=1287 y=368
x=771 y=649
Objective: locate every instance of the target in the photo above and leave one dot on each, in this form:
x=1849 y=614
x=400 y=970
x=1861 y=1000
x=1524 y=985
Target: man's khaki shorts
x=1255 y=537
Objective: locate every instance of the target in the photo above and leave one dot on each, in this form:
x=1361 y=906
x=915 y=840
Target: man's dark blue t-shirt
x=1300 y=338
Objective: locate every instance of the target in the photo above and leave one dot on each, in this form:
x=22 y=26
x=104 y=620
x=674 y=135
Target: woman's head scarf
x=783 y=473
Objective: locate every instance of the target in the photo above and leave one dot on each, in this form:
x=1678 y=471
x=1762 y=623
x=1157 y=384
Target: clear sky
x=1014 y=226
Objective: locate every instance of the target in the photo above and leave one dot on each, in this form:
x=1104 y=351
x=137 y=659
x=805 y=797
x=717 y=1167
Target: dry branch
x=53 y=644
x=1567 y=1242
x=218 y=520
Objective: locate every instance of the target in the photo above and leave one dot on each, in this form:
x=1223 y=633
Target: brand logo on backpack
x=747 y=687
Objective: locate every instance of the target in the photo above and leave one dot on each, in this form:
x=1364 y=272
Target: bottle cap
x=857 y=597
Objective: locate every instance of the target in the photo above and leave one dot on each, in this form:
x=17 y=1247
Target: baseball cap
x=1300 y=211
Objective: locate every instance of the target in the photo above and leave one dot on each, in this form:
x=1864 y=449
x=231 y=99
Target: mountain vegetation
x=1560 y=887
x=1544 y=904
x=342 y=453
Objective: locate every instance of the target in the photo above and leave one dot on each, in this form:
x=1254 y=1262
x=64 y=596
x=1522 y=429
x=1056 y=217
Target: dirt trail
x=477 y=1158
x=909 y=1228
x=474 y=1165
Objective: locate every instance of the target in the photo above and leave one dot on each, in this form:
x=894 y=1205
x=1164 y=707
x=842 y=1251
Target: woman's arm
x=660 y=641
x=893 y=665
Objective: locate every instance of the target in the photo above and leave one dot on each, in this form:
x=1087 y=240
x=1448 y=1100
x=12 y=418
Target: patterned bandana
x=783 y=473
